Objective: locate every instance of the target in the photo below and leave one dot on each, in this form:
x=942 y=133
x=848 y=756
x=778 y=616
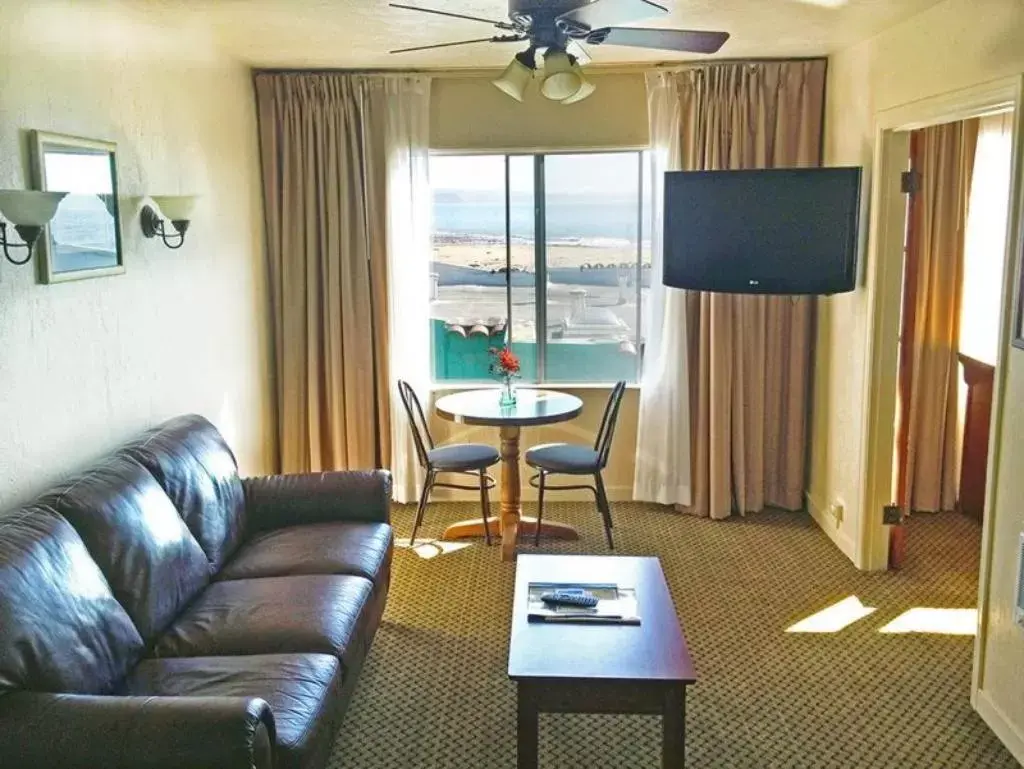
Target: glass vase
x=507 y=396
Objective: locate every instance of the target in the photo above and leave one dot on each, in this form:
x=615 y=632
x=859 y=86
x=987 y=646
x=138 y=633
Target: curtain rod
x=610 y=69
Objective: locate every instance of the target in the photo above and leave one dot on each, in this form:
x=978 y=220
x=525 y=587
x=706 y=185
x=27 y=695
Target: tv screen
x=771 y=231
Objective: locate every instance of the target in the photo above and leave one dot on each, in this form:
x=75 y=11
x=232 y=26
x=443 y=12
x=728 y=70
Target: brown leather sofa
x=160 y=612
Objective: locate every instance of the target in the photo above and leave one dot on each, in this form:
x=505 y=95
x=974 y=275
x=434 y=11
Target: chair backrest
x=603 y=442
x=418 y=422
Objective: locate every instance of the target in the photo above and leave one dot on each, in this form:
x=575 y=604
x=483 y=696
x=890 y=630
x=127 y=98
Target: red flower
x=506 y=362
x=509 y=362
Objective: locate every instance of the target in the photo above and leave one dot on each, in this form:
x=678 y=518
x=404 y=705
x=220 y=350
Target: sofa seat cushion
x=327 y=614
x=303 y=691
x=359 y=548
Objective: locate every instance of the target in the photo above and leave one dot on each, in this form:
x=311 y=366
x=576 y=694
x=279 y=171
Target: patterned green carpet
x=434 y=692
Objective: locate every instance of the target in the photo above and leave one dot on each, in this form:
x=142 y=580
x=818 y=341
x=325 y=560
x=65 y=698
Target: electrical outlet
x=1018 y=610
x=836 y=510
x=892 y=515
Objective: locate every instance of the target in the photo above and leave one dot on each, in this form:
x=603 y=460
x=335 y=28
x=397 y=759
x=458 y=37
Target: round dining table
x=531 y=409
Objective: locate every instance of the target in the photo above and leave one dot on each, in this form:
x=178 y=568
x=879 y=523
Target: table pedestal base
x=474 y=527
x=510 y=522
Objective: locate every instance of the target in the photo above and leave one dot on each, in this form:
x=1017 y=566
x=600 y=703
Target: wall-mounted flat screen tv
x=771 y=231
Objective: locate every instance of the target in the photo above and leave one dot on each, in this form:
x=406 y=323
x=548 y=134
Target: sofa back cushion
x=133 y=531
x=192 y=462
x=61 y=629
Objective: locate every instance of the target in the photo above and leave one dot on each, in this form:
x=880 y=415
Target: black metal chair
x=577 y=459
x=459 y=458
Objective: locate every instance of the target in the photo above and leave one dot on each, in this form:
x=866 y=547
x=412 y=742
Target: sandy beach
x=490 y=256
x=466 y=301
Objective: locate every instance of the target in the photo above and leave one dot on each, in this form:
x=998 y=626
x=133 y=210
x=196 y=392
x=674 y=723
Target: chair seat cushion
x=358 y=548
x=564 y=458
x=303 y=691
x=327 y=614
x=463 y=456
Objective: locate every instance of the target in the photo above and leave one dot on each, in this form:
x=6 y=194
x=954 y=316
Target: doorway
x=884 y=264
x=883 y=296
x=957 y=190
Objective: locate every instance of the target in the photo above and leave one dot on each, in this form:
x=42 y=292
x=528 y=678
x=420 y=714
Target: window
x=548 y=252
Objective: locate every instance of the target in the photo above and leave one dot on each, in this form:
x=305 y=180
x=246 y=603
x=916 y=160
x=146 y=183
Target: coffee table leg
x=511 y=505
x=673 y=729
x=526 y=730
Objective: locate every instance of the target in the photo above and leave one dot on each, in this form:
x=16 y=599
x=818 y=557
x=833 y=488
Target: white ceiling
x=359 y=33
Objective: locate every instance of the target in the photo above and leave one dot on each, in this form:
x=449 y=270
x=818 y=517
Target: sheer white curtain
x=408 y=249
x=663 y=434
x=985 y=239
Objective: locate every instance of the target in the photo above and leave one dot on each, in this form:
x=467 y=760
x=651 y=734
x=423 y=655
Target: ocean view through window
x=568 y=291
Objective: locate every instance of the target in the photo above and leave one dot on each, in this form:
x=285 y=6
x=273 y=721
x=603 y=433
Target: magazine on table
x=615 y=605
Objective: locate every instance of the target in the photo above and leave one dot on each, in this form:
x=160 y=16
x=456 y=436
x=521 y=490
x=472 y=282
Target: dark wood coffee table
x=575 y=668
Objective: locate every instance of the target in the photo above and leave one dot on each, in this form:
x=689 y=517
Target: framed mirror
x=84 y=238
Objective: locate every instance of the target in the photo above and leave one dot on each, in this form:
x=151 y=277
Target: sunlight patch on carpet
x=922 y=619
x=833 y=618
x=432 y=548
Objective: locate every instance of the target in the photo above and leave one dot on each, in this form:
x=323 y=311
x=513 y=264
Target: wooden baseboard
x=841 y=539
x=1009 y=734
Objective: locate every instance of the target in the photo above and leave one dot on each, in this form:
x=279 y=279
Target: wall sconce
x=177 y=208
x=28 y=211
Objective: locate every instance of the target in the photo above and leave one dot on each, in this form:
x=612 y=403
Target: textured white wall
x=467 y=113
x=87 y=364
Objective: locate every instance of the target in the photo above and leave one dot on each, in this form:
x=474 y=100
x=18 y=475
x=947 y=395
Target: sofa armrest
x=75 y=731
x=273 y=501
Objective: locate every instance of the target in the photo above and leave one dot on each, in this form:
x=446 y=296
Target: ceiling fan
x=561 y=28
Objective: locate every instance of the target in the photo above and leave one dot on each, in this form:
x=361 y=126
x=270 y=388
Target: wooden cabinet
x=974 y=463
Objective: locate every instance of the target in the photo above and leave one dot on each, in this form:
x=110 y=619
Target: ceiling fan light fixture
x=517 y=75
x=562 y=77
x=586 y=89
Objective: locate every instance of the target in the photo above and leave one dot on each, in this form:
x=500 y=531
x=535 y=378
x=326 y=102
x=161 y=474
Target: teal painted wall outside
x=458 y=358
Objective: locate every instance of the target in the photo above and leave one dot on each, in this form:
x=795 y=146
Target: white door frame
x=884 y=270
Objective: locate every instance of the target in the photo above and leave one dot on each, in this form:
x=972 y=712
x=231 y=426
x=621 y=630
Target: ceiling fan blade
x=498 y=24
x=577 y=51
x=446 y=45
x=608 y=13
x=687 y=40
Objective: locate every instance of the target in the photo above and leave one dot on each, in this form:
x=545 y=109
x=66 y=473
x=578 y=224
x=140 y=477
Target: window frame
x=540 y=248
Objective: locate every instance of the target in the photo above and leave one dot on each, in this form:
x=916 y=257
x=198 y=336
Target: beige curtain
x=323 y=142
x=749 y=356
x=933 y=284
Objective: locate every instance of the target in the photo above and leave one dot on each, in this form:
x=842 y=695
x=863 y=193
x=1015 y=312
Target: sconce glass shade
x=517 y=75
x=177 y=208
x=29 y=207
x=561 y=77
x=586 y=89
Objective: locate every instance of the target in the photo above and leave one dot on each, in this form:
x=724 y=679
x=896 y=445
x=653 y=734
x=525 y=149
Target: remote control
x=579 y=598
